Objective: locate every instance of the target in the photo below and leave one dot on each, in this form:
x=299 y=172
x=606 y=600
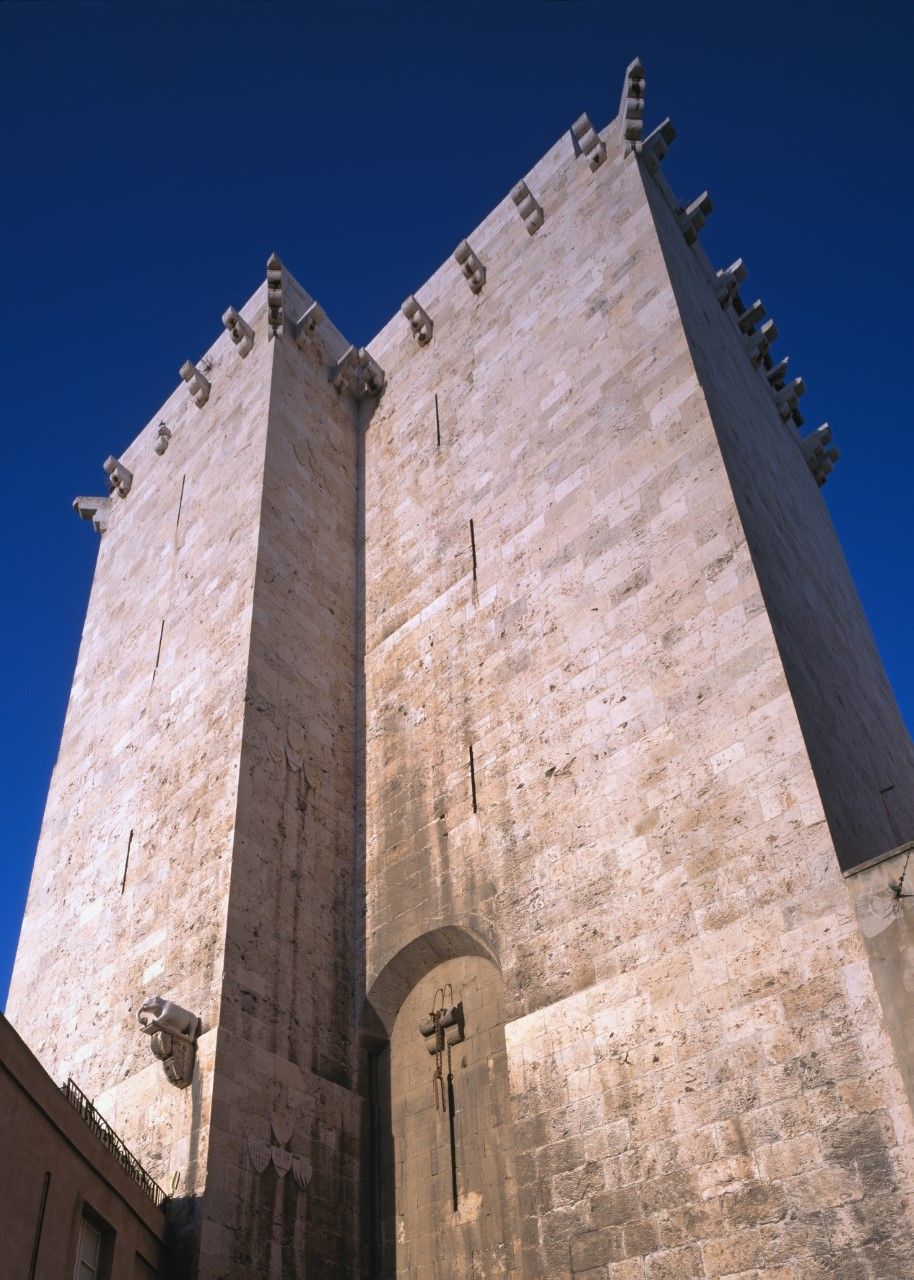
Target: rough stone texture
x=700 y=1081
x=599 y=589
x=428 y=1237
x=883 y=895
x=227 y=750
x=861 y=754
x=289 y=986
x=152 y=745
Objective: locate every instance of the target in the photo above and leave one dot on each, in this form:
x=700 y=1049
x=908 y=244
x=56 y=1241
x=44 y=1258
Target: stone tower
x=481 y=736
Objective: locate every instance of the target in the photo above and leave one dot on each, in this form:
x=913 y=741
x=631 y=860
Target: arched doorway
x=445 y=1194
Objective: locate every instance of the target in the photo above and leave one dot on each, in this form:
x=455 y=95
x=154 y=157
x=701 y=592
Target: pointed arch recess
x=408 y=967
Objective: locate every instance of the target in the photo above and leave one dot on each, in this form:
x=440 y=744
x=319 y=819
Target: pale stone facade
x=516 y=662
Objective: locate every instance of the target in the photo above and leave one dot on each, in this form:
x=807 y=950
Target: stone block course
x=496 y=682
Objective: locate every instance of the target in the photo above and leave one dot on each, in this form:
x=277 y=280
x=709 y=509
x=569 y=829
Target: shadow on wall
x=441 y=1141
x=184 y=1215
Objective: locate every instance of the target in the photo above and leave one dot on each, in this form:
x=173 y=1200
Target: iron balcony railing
x=102 y=1129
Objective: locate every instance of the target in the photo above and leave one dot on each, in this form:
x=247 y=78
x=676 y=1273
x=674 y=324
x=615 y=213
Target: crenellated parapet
x=757 y=334
x=275 y=307
x=631 y=109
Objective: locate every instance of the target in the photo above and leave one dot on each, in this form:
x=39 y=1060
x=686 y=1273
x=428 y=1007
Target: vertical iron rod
x=127 y=860
x=159 y=650
x=450 y=1114
x=473 y=547
x=473 y=778
x=180 y=504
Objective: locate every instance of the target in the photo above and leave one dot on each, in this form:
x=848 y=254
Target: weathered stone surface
x=513 y=676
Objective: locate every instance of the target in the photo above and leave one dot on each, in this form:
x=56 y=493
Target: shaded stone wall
x=883 y=898
x=289 y=995
x=861 y=753
x=450 y=1207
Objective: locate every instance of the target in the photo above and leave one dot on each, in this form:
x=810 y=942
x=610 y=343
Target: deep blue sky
x=153 y=155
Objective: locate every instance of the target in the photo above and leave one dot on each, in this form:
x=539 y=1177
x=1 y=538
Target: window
x=93 y=1253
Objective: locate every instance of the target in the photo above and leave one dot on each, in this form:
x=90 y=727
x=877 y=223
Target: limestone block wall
x=883 y=899
x=289 y=998
x=131 y=879
x=512 y=682
x=700 y=1079
x=861 y=753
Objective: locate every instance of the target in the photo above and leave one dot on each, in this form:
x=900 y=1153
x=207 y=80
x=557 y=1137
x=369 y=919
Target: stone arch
x=412 y=962
x=444 y=1197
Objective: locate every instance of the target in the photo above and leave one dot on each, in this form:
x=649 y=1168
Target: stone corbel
x=786 y=397
x=372 y=378
x=693 y=217
x=450 y=1021
x=750 y=316
x=656 y=144
x=307 y=326
x=819 y=458
x=275 y=308
x=759 y=341
x=590 y=144
x=197 y=384
x=631 y=109
x=729 y=280
x=359 y=373
x=173 y=1033
x=470 y=265
x=94 y=509
x=240 y=331
x=528 y=207
x=419 y=320
x=344 y=374
x=119 y=478
x=163 y=436
x=777 y=374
